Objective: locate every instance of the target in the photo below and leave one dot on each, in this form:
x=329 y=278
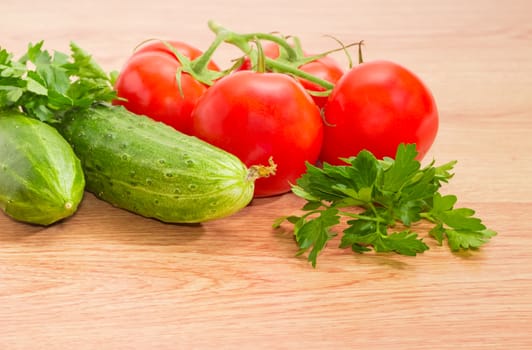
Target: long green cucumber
x=41 y=179
x=149 y=168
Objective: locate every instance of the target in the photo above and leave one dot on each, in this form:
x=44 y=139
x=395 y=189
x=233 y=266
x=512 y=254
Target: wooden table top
x=108 y=279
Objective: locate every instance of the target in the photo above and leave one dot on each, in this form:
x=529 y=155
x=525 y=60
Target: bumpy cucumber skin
x=41 y=179
x=149 y=168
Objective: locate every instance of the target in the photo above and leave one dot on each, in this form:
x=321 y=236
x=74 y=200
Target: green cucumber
x=41 y=179
x=150 y=169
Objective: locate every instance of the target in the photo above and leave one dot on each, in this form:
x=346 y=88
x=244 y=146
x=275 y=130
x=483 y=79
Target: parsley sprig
x=43 y=84
x=377 y=196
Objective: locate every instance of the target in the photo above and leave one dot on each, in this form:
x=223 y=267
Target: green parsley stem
x=363 y=217
x=428 y=217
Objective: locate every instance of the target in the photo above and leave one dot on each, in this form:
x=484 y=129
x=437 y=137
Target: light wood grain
x=108 y=279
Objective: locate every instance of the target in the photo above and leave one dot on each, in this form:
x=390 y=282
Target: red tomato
x=256 y=116
x=148 y=84
x=377 y=106
x=326 y=68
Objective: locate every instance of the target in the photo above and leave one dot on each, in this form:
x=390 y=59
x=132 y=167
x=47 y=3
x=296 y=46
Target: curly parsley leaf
x=458 y=225
x=314 y=233
x=44 y=85
x=384 y=193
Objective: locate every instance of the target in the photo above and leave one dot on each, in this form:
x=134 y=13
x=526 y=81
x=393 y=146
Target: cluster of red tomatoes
x=257 y=115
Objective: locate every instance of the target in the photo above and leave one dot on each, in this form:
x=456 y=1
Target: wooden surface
x=107 y=279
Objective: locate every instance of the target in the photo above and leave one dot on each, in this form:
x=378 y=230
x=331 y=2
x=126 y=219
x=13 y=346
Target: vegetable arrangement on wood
x=172 y=136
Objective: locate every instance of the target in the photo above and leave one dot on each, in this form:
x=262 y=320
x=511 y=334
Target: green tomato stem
x=261 y=64
x=202 y=62
x=232 y=38
x=287 y=68
x=242 y=42
x=292 y=54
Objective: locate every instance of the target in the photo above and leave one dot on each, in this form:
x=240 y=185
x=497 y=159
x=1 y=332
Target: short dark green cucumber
x=41 y=179
x=149 y=168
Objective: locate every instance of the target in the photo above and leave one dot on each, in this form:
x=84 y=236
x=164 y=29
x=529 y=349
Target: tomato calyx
x=197 y=68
